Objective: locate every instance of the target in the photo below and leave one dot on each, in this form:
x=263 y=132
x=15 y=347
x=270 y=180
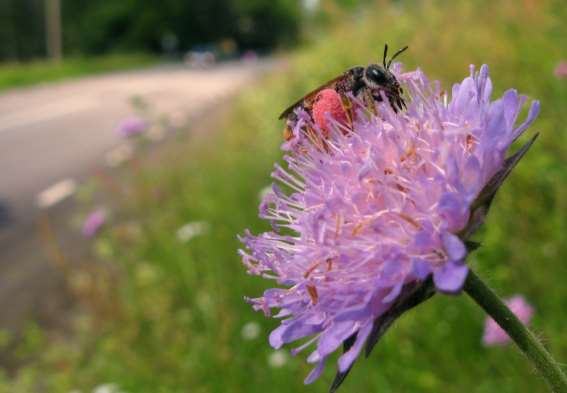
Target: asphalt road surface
x=51 y=136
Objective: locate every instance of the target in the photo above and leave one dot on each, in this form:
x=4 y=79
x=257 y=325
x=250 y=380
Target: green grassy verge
x=171 y=321
x=25 y=74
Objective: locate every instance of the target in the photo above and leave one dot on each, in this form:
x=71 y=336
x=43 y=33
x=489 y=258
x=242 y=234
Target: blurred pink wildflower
x=94 y=222
x=376 y=212
x=131 y=127
x=493 y=334
x=561 y=69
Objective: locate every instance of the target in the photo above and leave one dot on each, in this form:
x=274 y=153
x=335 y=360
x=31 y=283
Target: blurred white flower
x=56 y=193
x=107 y=388
x=191 y=230
x=278 y=359
x=119 y=155
x=310 y=5
x=250 y=331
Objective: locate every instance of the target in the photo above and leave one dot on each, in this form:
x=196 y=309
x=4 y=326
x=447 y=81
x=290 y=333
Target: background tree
x=93 y=27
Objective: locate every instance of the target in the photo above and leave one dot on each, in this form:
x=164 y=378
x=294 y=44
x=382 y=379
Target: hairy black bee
x=367 y=83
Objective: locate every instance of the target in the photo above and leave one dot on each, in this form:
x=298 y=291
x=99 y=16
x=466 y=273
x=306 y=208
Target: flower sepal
x=481 y=205
x=412 y=295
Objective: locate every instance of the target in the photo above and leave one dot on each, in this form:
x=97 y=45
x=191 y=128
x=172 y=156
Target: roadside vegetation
x=25 y=74
x=166 y=314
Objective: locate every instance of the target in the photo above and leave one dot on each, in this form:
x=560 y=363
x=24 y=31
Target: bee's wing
x=311 y=94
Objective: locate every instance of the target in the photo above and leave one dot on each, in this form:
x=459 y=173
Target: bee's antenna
x=385 y=54
x=396 y=55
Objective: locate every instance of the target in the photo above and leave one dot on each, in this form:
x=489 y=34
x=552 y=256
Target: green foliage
x=263 y=24
x=170 y=321
x=21 y=29
x=99 y=26
x=17 y=74
x=95 y=27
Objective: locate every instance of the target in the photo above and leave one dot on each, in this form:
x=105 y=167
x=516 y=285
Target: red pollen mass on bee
x=328 y=103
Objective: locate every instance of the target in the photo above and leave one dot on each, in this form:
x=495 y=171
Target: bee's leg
x=399 y=99
x=369 y=101
x=396 y=102
x=317 y=140
x=349 y=110
x=358 y=86
x=377 y=98
x=401 y=102
x=308 y=106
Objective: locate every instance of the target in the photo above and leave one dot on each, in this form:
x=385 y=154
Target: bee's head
x=376 y=76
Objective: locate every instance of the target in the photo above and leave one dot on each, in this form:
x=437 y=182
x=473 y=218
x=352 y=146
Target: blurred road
x=58 y=131
x=53 y=135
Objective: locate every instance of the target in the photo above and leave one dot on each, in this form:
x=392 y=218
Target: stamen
x=401 y=188
x=470 y=141
x=410 y=220
x=358 y=228
x=313 y=293
x=338 y=226
x=311 y=269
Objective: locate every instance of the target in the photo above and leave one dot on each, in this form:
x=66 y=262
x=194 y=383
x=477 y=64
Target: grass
x=169 y=318
x=25 y=74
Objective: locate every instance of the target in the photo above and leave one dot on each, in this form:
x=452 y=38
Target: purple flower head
x=493 y=334
x=364 y=217
x=131 y=127
x=94 y=221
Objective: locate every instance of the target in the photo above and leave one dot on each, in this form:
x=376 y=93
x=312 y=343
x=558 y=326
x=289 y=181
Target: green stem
x=524 y=339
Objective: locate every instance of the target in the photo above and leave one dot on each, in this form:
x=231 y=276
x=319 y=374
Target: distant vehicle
x=200 y=58
x=208 y=54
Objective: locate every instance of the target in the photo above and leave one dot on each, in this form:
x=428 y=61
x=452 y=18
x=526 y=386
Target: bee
x=367 y=83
